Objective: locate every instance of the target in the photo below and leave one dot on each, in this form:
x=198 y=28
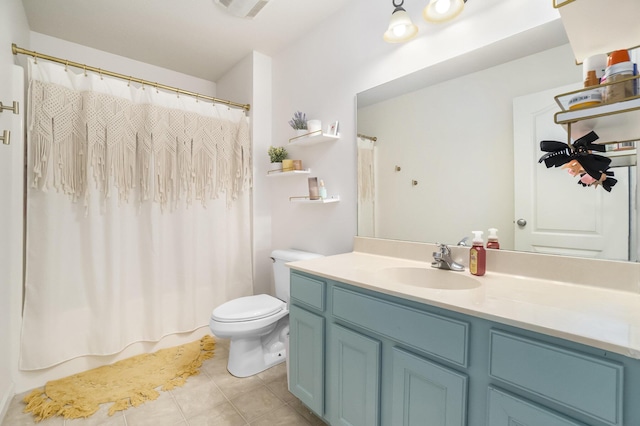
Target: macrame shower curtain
x=366 y=188
x=138 y=214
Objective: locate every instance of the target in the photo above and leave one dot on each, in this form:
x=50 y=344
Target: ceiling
x=195 y=37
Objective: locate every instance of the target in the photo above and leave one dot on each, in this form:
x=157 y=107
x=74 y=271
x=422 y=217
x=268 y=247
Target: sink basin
x=430 y=278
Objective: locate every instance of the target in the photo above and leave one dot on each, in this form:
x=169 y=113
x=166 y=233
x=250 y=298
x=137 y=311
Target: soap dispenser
x=492 y=239
x=477 y=255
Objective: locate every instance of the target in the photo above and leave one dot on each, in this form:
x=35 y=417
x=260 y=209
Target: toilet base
x=251 y=355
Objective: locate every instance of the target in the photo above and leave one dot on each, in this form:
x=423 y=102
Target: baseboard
x=5 y=401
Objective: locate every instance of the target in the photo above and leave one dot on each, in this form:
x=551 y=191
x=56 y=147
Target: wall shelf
x=306 y=200
x=313 y=138
x=613 y=122
x=593 y=28
x=280 y=173
x=564 y=117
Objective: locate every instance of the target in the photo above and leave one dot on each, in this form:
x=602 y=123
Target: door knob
x=521 y=222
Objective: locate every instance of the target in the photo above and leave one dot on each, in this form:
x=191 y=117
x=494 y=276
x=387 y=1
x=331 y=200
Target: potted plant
x=276 y=155
x=299 y=122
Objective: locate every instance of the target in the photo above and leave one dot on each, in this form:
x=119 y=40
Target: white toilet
x=258 y=325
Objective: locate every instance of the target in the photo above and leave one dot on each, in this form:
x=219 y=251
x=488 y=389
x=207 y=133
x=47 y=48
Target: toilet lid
x=248 y=308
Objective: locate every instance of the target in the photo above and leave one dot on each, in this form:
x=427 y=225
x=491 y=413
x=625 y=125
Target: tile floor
x=214 y=397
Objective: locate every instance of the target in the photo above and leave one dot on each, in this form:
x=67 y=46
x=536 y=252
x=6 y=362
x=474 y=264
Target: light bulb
x=399 y=30
x=442 y=10
x=443 y=6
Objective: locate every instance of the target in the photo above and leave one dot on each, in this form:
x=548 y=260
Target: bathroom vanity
x=373 y=344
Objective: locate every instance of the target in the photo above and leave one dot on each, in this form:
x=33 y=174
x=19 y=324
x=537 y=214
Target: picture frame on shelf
x=333 y=128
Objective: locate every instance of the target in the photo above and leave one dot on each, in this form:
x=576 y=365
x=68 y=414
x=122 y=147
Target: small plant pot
x=276 y=166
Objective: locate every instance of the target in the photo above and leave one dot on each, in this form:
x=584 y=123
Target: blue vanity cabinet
x=307 y=341
x=385 y=363
x=416 y=390
x=361 y=357
x=355 y=371
x=306 y=358
x=587 y=386
x=505 y=409
x=426 y=393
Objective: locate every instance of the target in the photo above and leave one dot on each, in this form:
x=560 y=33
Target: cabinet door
x=509 y=410
x=306 y=358
x=355 y=365
x=425 y=393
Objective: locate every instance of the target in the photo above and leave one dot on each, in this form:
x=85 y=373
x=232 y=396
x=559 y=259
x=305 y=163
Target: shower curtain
x=366 y=188
x=138 y=214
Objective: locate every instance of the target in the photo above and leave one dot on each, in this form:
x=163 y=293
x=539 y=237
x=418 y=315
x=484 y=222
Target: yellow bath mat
x=126 y=383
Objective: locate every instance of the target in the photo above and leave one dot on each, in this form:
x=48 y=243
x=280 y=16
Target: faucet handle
x=444 y=249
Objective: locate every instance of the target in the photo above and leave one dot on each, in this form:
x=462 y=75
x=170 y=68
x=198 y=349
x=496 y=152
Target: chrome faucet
x=442 y=259
x=463 y=242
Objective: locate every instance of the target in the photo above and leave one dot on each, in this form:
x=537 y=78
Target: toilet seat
x=248 y=308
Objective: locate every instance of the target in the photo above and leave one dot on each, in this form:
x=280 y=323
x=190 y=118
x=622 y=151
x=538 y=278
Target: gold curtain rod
x=371 y=138
x=15 y=49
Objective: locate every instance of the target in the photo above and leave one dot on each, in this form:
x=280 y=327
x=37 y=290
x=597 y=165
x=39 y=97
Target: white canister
x=597 y=63
x=314 y=125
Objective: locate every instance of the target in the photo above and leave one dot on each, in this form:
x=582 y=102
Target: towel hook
x=6 y=137
x=15 y=108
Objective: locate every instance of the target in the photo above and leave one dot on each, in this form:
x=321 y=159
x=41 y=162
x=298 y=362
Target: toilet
x=258 y=326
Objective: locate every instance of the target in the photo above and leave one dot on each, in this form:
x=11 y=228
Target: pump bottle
x=492 y=239
x=322 y=191
x=477 y=255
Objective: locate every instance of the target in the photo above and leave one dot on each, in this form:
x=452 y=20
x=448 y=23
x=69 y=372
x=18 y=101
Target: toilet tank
x=281 y=272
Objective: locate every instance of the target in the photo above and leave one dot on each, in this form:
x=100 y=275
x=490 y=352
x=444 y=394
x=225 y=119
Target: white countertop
x=604 y=318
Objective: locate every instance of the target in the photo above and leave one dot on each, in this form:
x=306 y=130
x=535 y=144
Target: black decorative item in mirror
x=579 y=159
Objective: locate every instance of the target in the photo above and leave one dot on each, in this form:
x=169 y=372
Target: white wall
x=321 y=73
x=97 y=58
x=13 y=29
x=250 y=82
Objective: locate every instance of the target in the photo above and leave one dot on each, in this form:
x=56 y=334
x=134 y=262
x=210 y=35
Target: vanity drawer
x=308 y=291
x=436 y=335
x=505 y=409
x=580 y=382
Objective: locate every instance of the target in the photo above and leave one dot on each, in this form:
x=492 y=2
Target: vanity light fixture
x=442 y=10
x=400 y=26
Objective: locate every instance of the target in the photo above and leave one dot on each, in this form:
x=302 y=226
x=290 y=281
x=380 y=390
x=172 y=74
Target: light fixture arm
x=398 y=6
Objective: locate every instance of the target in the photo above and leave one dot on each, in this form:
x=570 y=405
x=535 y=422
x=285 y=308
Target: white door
x=553 y=213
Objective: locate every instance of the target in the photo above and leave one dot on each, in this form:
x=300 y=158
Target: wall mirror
x=456 y=150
